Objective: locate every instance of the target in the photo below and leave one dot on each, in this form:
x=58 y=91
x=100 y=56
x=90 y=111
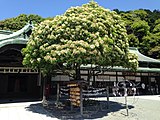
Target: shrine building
x=16 y=81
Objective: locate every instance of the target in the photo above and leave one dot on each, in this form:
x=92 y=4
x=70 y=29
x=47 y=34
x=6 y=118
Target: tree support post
x=81 y=100
x=125 y=95
x=126 y=105
x=107 y=91
x=57 y=101
x=44 y=101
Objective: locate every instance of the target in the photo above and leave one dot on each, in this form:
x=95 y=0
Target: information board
x=74 y=94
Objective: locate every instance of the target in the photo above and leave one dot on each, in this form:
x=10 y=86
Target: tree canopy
x=89 y=34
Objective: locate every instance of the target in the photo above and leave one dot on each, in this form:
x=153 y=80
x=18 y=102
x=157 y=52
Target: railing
x=17 y=70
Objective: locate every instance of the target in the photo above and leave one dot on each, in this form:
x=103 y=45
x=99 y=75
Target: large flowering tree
x=89 y=34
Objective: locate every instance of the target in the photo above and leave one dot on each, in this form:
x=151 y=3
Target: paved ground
x=140 y=108
x=24 y=111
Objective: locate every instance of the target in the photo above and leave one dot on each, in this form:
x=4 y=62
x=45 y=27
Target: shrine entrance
x=16 y=81
x=19 y=86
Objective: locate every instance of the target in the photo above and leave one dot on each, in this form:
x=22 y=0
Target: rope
x=125 y=88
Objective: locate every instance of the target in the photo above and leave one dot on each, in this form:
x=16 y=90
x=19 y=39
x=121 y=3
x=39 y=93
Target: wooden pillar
x=149 y=80
x=116 y=77
x=94 y=80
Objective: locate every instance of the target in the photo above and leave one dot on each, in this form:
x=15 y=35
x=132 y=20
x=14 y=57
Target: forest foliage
x=143 y=29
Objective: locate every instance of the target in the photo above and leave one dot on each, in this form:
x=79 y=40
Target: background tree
x=14 y=24
x=133 y=40
x=88 y=34
x=143 y=27
x=141 y=14
x=155 y=52
x=150 y=44
x=157 y=21
x=156 y=28
x=140 y=29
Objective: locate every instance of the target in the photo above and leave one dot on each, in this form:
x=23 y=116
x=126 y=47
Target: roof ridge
x=17 y=33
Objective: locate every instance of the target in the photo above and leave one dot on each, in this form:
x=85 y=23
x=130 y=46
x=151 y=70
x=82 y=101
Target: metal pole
x=107 y=97
x=125 y=95
x=126 y=105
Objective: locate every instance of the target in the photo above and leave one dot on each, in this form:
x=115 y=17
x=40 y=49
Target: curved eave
x=141 y=57
x=17 y=34
x=5 y=32
x=13 y=41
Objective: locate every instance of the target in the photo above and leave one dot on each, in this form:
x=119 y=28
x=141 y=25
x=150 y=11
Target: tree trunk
x=78 y=73
x=44 y=101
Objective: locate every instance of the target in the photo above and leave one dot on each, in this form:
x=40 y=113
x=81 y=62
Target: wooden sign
x=75 y=94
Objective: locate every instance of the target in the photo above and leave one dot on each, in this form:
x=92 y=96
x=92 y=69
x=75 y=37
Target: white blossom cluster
x=89 y=34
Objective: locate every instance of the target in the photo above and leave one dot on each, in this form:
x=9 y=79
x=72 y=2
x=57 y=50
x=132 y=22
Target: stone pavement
x=144 y=108
x=146 y=97
x=24 y=111
x=150 y=97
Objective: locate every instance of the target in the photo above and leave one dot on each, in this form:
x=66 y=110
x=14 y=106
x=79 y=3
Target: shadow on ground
x=93 y=110
x=17 y=100
x=38 y=108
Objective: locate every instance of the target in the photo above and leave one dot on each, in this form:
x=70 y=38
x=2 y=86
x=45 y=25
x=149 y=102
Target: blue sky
x=50 y=8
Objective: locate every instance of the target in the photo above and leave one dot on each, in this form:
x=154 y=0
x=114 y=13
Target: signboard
x=74 y=94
